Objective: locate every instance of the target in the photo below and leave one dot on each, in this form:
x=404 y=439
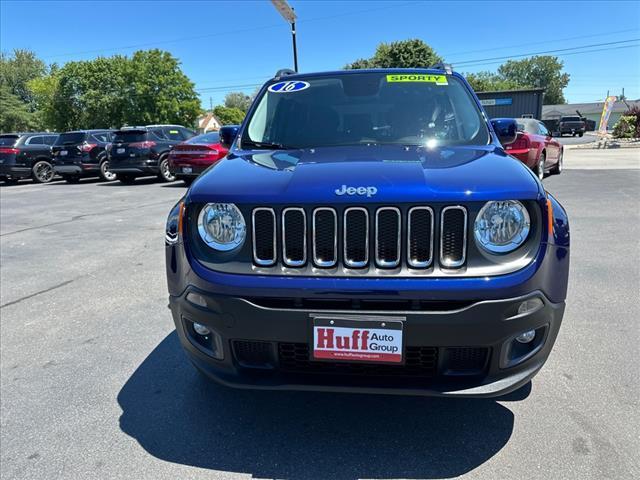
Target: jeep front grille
x=357 y=237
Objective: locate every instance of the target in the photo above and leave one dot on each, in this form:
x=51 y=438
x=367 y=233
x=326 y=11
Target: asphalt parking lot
x=94 y=384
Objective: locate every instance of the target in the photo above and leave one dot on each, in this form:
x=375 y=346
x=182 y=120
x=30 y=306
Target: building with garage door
x=513 y=103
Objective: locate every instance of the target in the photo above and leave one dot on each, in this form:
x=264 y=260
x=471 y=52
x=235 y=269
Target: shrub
x=629 y=124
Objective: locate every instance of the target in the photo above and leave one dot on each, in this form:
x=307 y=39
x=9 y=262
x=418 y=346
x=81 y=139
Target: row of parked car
x=169 y=152
x=173 y=152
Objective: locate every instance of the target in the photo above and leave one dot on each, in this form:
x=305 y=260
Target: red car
x=189 y=159
x=536 y=148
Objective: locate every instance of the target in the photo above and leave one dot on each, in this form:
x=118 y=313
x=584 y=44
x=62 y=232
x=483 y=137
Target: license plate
x=63 y=153
x=358 y=339
x=187 y=170
x=119 y=150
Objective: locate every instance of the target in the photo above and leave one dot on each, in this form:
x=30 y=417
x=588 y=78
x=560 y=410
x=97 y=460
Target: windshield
x=211 y=137
x=8 y=141
x=366 y=108
x=71 y=138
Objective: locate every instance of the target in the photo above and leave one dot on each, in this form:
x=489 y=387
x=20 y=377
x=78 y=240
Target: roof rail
x=443 y=66
x=284 y=71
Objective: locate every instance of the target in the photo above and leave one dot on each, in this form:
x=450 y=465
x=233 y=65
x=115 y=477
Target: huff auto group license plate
x=358 y=339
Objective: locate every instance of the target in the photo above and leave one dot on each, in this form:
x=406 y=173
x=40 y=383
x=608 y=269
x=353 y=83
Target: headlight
x=502 y=226
x=222 y=226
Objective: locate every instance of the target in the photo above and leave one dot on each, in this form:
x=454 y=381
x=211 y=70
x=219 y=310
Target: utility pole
x=289 y=15
x=211 y=104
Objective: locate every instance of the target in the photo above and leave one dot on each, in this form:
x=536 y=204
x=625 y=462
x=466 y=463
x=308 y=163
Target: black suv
x=143 y=151
x=24 y=155
x=82 y=153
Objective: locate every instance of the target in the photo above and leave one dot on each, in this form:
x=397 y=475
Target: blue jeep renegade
x=367 y=232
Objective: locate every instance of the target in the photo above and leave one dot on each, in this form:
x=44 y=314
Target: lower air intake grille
x=253 y=354
x=466 y=360
x=419 y=361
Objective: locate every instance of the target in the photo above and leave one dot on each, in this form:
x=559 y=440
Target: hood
x=358 y=174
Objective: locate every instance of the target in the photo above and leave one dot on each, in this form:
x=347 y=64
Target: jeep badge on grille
x=368 y=191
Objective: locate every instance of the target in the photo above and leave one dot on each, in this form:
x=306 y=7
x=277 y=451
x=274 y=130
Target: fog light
x=204 y=331
x=525 y=337
x=529 y=306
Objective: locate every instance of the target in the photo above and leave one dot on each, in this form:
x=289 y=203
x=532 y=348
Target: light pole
x=289 y=15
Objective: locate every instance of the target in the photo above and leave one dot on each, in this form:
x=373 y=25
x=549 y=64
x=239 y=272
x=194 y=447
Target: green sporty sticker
x=437 y=79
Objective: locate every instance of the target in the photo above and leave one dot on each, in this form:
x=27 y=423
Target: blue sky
x=225 y=46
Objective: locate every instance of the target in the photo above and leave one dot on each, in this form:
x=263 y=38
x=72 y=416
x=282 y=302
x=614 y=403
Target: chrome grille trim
x=286 y=260
x=414 y=263
x=316 y=260
x=263 y=262
x=383 y=262
x=351 y=263
x=445 y=263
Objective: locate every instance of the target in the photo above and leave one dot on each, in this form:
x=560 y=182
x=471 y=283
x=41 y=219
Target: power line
x=544 y=42
x=561 y=54
x=545 y=52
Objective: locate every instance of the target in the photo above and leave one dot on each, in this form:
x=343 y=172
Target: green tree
x=490 y=82
x=539 y=72
x=412 y=53
x=115 y=91
x=238 y=100
x=228 y=116
x=14 y=113
x=158 y=91
x=17 y=70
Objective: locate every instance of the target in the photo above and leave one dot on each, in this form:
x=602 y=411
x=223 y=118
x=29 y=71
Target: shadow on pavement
x=178 y=416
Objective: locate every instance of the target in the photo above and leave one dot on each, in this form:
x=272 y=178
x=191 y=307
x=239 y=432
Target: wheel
x=580 y=134
x=573 y=134
x=557 y=169
x=165 y=174
x=188 y=181
x=105 y=174
x=42 y=172
x=126 y=178
x=71 y=178
x=540 y=166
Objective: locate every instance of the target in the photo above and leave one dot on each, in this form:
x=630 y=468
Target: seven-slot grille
x=296 y=236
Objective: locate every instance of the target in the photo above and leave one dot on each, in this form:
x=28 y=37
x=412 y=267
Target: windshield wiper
x=266 y=145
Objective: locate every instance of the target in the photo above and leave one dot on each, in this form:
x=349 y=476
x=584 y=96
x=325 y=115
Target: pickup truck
x=367 y=232
x=573 y=125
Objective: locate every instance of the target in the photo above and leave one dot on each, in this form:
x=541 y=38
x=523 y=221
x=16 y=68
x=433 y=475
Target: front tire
x=580 y=134
x=105 y=174
x=165 y=174
x=125 y=178
x=42 y=172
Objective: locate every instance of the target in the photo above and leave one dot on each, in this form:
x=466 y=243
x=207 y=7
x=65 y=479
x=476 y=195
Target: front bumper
x=489 y=326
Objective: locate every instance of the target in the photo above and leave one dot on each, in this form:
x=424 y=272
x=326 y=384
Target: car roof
x=432 y=71
x=91 y=130
x=22 y=134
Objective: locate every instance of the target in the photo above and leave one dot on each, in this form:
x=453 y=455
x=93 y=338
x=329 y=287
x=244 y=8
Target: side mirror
x=228 y=134
x=506 y=129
